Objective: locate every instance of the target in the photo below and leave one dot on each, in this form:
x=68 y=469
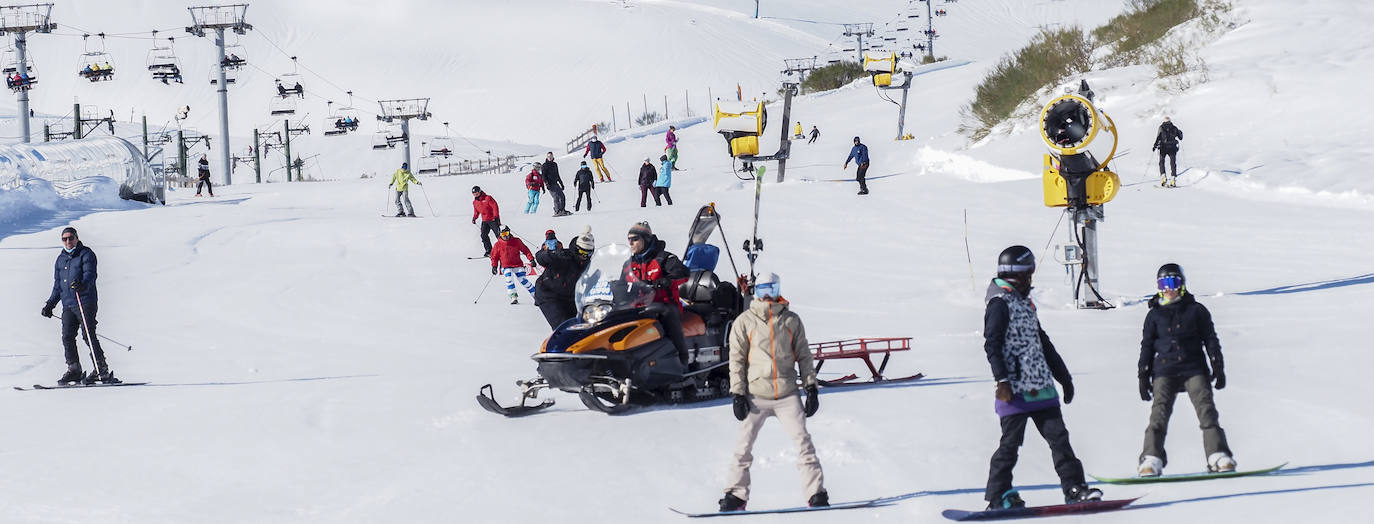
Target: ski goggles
x=1170 y=282
x=766 y=290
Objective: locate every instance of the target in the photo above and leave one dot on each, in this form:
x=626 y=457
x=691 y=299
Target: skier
x=597 y=150
x=535 y=184
x=74 y=276
x=1177 y=331
x=554 y=183
x=203 y=175
x=664 y=180
x=647 y=176
x=585 y=184
x=1025 y=365
x=671 y=149
x=859 y=154
x=1166 y=142
x=485 y=206
x=768 y=356
x=815 y=133
x=551 y=240
x=505 y=259
x=553 y=291
x=652 y=264
x=401 y=179
x=797 y=131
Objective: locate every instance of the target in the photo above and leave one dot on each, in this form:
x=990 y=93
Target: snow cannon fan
x=881 y=68
x=1072 y=177
x=741 y=123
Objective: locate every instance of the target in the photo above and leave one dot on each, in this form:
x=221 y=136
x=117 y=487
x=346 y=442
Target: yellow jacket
x=402 y=179
x=797 y=129
x=768 y=352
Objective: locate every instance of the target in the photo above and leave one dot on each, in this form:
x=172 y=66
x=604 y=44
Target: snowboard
x=1038 y=511
x=800 y=509
x=1185 y=477
x=402 y=216
x=76 y=386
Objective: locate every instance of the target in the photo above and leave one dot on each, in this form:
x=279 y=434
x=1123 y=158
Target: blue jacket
x=665 y=174
x=859 y=153
x=79 y=265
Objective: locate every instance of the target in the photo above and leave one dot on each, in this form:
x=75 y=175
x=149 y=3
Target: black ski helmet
x=476 y=189
x=1015 y=261
x=1170 y=270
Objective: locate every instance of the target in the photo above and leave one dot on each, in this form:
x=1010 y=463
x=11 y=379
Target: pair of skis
x=78 y=386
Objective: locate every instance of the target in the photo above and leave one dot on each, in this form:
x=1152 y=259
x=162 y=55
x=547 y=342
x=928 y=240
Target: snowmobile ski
x=1093 y=506
x=870 y=503
x=487 y=400
x=1185 y=477
x=76 y=386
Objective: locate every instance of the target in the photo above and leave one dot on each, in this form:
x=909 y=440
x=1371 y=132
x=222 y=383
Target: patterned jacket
x=1019 y=351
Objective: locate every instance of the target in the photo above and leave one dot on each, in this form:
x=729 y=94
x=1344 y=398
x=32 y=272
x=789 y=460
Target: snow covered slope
x=315 y=362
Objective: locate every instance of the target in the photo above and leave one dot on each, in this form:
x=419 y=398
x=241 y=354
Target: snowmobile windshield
x=602 y=289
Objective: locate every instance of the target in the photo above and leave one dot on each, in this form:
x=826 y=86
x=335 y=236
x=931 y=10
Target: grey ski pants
x=1199 y=389
x=404 y=197
x=788 y=410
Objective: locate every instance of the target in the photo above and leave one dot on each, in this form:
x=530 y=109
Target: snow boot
x=72 y=376
x=1163 y=180
x=400 y=214
x=514 y=300
x=820 y=500
x=1221 y=462
x=1150 y=466
x=732 y=503
x=863 y=191
x=1008 y=500
x=1173 y=181
x=1082 y=493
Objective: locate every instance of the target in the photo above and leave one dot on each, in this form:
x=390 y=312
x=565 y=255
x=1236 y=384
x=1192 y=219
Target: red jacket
x=485 y=206
x=506 y=253
x=534 y=182
x=659 y=268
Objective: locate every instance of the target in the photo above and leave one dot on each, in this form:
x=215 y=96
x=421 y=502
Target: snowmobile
x=615 y=354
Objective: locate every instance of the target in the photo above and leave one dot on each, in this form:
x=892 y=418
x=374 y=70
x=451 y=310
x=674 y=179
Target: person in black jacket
x=73 y=284
x=553 y=292
x=647 y=176
x=1166 y=142
x=554 y=183
x=585 y=184
x=1026 y=365
x=203 y=176
x=1177 y=332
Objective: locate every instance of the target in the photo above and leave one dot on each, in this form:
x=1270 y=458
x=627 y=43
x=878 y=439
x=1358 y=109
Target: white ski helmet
x=768 y=286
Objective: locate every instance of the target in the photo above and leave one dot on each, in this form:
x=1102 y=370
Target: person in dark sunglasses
x=73 y=285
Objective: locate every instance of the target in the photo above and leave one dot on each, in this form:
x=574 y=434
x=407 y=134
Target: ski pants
x=672 y=325
x=602 y=174
x=513 y=273
x=1050 y=423
x=580 y=192
x=662 y=191
x=813 y=139
x=558 y=310
x=644 y=192
x=788 y=411
x=861 y=176
x=1172 y=154
x=205 y=181
x=489 y=226
x=1199 y=388
x=672 y=156
x=404 y=196
x=560 y=201
x=71 y=321
x=532 y=204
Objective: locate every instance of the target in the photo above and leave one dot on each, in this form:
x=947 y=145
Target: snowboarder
x=647 y=176
x=1166 y=142
x=664 y=180
x=652 y=264
x=859 y=154
x=671 y=148
x=1177 y=331
x=815 y=133
x=1025 y=365
x=598 y=150
x=203 y=175
x=485 y=206
x=554 y=183
x=585 y=184
x=553 y=291
x=74 y=275
x=768 y=356
x=535 y=184
x=505 y=259
x=401 y=179
x=797 y=131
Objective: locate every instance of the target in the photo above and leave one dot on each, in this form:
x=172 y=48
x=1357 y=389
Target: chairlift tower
x=218 y=18
x=859 y=31
x=801 y=66
x=20 y=20
x=404 y=110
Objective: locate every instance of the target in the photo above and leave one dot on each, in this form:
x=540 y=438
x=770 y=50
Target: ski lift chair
x=95 y=64
x=442 y=147
x=429 y=165
x=382 y=140
x=230 y=76
x=282 y=106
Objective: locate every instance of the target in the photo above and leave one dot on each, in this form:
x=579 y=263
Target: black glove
x=1068 y=392
x=493 y=270
x=1003 y=391
x=79 y=286
x=662 y=283
x=741 y=407
x=813 y=401
x=1218 y=373
x=1154 y=147
x=1145 y=388
x=47 y=310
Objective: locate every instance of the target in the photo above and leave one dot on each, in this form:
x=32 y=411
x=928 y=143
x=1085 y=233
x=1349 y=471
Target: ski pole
x=386 y=201
x=107 y=339
x=484 y=289
x=598 y=197
x=427 y=204
x=86 y=329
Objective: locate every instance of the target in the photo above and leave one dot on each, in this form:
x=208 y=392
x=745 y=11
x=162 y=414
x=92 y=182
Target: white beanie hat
x=586 y=241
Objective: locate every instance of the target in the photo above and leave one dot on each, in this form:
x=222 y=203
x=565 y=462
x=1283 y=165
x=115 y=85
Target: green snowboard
x=1187 y=476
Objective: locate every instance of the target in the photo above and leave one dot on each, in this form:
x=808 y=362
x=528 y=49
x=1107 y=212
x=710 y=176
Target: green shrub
x=1051 y=56
x=647 y=118
x=832 y=76
x=1143 y=24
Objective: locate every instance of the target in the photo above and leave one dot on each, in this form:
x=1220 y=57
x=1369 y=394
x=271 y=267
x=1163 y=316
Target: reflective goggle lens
x=1170 y=282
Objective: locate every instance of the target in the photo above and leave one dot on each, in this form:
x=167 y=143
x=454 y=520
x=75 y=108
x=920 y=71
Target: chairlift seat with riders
x=163 y=63
x=95 y=64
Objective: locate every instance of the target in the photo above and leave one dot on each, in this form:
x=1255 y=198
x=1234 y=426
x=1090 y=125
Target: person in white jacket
x=768 y=354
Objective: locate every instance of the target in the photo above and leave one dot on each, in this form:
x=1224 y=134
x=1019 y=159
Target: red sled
x=863 y=349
